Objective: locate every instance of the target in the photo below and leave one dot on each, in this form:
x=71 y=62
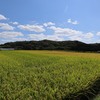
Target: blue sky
x=50 y=19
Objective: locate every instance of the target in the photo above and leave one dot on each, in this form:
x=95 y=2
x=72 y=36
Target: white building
x=6 y=48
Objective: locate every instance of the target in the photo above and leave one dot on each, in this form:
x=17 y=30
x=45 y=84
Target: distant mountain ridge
x=52 y=45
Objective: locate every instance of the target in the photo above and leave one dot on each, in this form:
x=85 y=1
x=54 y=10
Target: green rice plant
x=46 y=75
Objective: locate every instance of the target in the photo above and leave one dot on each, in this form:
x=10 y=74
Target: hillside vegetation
x=52 y=45
x=48 y=75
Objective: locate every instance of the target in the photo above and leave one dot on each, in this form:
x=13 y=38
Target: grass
x=46 y=75
x=97 y=98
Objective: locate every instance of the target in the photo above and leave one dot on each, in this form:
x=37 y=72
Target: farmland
x=47 y=75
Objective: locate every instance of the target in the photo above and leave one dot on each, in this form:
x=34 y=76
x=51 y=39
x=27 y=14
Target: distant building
x=6 y=48
x=98 y=51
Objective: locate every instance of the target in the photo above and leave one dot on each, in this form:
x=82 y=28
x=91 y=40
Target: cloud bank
x=14 y=31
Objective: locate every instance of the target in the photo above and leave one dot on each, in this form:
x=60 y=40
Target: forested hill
x=52 y=45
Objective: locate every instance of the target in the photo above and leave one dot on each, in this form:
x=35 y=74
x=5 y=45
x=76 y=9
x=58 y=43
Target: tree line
x=52 y=45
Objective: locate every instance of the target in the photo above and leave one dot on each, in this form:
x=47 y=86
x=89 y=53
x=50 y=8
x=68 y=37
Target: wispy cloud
x=72 y=22
x=2 y=17
x=14 y=23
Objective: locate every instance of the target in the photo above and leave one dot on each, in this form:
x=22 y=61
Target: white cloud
x=79 y=38
x=6 y=27
x=37 y=36
x=15 y=23
x=88 y=35
x=98 y=34
x=48 y=24
x=7 y=34
x=5 y=40
x=2 y=17
x=65 y=31
x=83 y=36
x=17 y=39
x=71 y=34
x=44 y=36
x=72 y=22
x=35 y=28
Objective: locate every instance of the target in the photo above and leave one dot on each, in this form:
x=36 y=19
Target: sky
x=59 y=20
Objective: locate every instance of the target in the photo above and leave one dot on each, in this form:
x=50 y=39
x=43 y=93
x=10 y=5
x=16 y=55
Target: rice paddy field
x=49 y=75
